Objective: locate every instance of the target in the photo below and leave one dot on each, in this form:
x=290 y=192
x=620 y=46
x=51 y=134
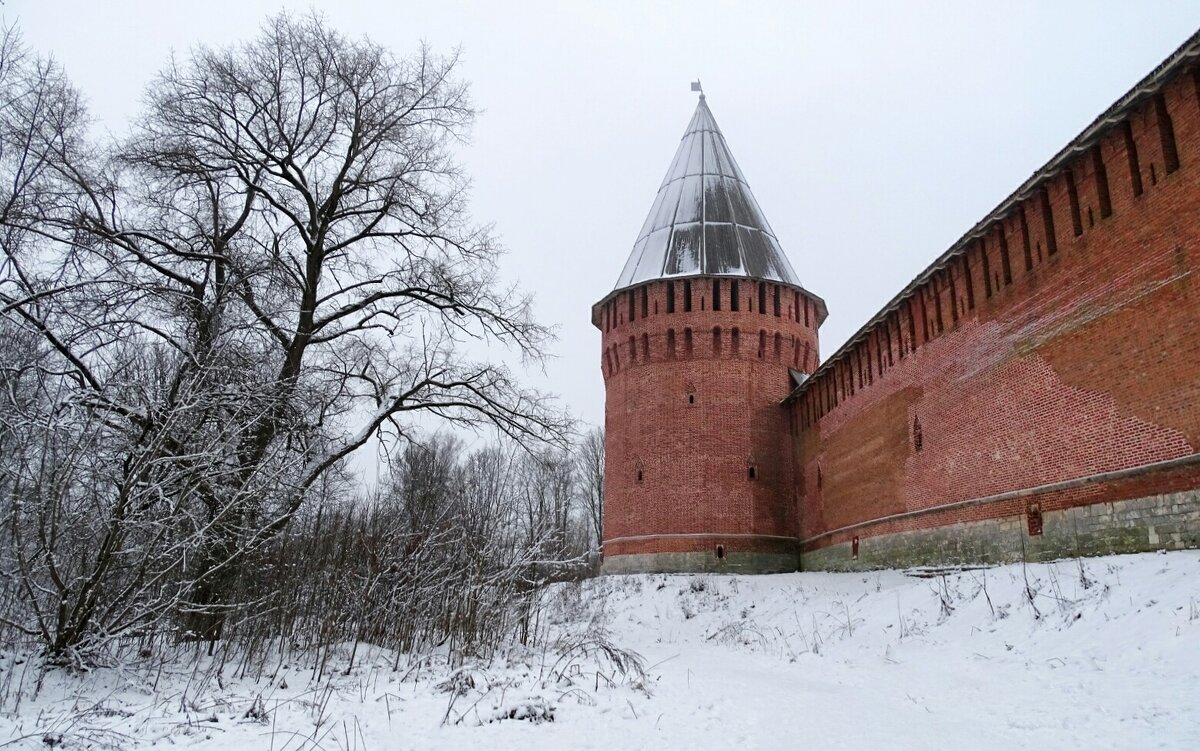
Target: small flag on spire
x=696 y=86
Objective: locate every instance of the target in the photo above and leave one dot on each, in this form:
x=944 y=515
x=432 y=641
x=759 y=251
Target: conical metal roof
x=704 y=219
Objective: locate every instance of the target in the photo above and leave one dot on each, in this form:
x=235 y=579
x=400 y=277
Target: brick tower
x=707 y=331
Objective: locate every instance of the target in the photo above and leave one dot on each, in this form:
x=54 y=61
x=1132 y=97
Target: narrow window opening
x=716 y=296
x=806 y=319
x=691 y=398
x=734 y=297
x=687 y=342
x=1073 y=198
x=1166 y=133
x=987 y=270
x=670 y=297
x=762 y=344
x=912 y=328
x=1033 y=518
x=701 y=302
x=778 y=345
x=735 y=343
x=1101 y=173
x=671 y=343
x=776 y=295
x=752 y=472
x=953 y=296
x=646 y=347
x=1004 y=262
x=854 y=548
x=967 y=283
x=1048 y=224
x=796 y=306
x=918 y=438
x=645 y=302
x=720 y=552
x=1153 y=174
x=632 y=310
x=1025 y=244
x=937 y=305
x=762 y=298
x=1091 y=218
x=716 y=340
x=687 y=297
x=820 y=477
x=640 y=476
x=632 y=350
x=1131 y=153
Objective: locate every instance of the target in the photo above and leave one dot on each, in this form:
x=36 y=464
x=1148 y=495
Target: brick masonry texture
x=1060 y=342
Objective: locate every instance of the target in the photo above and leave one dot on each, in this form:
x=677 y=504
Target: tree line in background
x=202 y=321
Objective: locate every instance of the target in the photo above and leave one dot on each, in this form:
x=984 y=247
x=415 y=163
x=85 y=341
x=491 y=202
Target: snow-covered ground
x=1099 y=655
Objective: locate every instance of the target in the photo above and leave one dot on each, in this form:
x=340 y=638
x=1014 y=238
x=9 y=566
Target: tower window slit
x=687 y=297
x=646 y=347
x=670 y=297
x=1166 y=133
x=1073 y=197
x=735 y=343
x=1025 y=244
x=734 y=297
x=762 y=298
x=777 y=306
x=645 y=301
x=632 y=350
x=1048 y=223
x=632 y=310
x=953 y=296
x=687 y=342
x=987 y=271
x=1101 y=173
x=670 y=342
x=716 y=295
x=1004 y=262
x=762 y=343
x=1131 y=155
x=778 y=345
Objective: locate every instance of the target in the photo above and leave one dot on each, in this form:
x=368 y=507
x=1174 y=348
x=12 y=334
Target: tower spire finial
x=697 y=87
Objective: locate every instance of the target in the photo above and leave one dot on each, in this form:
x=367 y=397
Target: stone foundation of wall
x=1169 y=521
x=701 y=562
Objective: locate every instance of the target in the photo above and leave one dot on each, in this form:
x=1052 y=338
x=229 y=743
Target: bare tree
x=277 y=265
x=589 y=459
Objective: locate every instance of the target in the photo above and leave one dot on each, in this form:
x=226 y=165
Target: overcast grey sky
x=872 y=134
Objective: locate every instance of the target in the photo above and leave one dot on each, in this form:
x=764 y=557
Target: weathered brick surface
x=694 y=421
x=1085 y=362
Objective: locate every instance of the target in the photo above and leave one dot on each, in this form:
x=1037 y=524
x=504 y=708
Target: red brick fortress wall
x=695 y=456
x=1050 y=361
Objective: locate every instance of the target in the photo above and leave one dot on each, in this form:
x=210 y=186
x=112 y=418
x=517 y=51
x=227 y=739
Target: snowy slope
x=1099 y=655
